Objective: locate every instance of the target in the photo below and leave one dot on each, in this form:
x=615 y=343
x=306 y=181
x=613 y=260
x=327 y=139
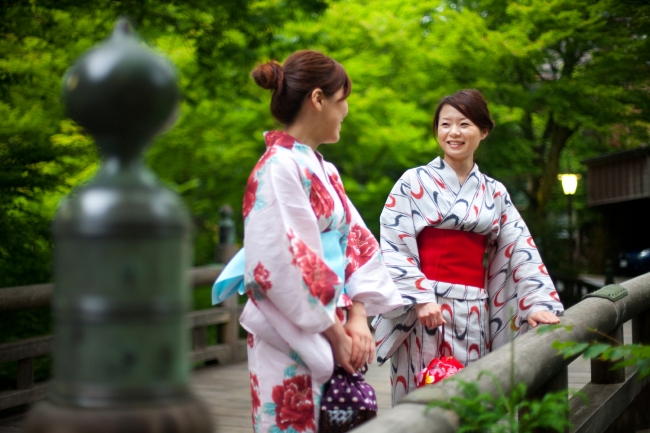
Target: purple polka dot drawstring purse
x=347 y=402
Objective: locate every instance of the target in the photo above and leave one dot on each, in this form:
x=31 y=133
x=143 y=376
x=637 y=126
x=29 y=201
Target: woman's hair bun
x=268 y=75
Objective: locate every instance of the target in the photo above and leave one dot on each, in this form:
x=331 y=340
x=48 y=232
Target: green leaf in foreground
x=569 y=348
x=499 y=414
x=544 y=329
x=595 y=350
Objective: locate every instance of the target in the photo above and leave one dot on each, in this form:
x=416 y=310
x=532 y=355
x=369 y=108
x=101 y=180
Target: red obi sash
x=452 y=256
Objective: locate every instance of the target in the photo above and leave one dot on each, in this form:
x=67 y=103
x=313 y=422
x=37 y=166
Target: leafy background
x=565 y=80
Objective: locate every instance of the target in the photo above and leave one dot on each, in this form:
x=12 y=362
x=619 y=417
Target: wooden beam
x=40 y=295
x=205 y=275
x=23 y=396
x=210 y=316
x=604 y=403
x=221 y=352
x=535 y=360
x=25 y=297
x=29 y=348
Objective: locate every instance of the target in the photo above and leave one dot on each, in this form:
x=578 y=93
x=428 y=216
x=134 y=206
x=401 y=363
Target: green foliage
x=483 y=412
x=550 y=83
x=560 y=89
x=543 y=329
x=43 y=156
x=624 y=355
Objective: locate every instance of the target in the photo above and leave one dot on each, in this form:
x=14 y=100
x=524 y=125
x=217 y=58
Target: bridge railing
x=229 y=348
x=571 y=289
x=616 y=400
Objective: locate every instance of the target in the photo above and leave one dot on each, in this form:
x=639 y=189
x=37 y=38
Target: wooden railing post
x=641 y=335
x=199 y=337
x=231 y=329
x=559 y=382
x=25 y=376
x=601 y=371
x=641 y=328
x=226 y=250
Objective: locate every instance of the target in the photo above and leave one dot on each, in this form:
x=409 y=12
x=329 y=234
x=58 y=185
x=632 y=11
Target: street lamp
x=569 y=185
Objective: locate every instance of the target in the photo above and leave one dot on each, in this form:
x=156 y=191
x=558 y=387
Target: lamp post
x=569 y=186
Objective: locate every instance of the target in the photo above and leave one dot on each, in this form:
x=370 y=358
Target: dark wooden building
x=618 y=185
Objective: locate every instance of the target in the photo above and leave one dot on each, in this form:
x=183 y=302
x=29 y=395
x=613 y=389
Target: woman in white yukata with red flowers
x=437 y=225
x=313 y=271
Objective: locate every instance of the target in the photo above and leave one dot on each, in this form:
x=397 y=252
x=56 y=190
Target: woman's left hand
x=363 y=344
x=542 y=317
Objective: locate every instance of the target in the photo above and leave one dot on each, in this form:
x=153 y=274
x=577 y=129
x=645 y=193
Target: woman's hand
x=542 y=317
x=341 y=345
x=363 y=345
x=430 y=315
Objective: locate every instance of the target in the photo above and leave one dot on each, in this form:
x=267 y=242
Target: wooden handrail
x=25 y=297
x=28 y=348
x=536 y=363
x=40 y=295
x=230 y=349
x=38 y=346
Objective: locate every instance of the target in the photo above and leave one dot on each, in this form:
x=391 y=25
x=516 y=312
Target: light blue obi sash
x=231 y=279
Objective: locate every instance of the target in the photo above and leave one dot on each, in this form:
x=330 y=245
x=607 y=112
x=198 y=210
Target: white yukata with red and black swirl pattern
x=479 y=319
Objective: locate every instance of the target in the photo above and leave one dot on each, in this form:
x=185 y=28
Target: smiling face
x=333 y=111
x=458 y=136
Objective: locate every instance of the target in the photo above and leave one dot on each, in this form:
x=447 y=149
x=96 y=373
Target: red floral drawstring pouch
x=438 y=368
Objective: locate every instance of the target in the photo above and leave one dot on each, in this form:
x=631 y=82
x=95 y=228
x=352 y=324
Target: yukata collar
x=449 y=176
x=282 y=139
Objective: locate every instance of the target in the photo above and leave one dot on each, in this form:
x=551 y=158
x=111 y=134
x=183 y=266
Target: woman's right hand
x=343 y=353
x=430 y=315
x=341 y=345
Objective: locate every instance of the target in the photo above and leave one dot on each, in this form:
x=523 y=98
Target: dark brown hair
x=471 y=103
x=302 y=72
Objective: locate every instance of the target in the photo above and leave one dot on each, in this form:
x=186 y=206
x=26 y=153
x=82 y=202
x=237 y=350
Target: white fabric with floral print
x=292 y=197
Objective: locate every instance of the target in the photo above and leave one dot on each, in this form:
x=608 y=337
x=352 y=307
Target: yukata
x=435 y=232
x=308 y=256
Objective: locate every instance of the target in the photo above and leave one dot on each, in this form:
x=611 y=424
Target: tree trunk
x=558 y=136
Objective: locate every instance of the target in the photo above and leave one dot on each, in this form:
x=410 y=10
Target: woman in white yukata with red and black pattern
x=437 y=225
x=313 y=270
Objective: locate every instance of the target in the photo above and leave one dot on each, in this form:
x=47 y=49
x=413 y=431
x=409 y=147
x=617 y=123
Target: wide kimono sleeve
x=366 y=277
x=399 y=245
x=285 y=272
x=518 y=282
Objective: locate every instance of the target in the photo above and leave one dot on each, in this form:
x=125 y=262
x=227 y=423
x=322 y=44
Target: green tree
x=562 y=78
x=43 y=155
x=569 y=67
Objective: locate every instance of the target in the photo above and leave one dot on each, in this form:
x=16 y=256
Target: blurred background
x=567 y=83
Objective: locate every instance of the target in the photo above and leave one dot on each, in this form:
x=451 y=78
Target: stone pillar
x=123 y=249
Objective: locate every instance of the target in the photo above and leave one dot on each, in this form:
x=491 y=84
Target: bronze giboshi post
x=122 y=252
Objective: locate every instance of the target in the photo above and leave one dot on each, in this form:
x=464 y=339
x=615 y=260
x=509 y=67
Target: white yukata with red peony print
x=479 y=317
x=294 y=203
